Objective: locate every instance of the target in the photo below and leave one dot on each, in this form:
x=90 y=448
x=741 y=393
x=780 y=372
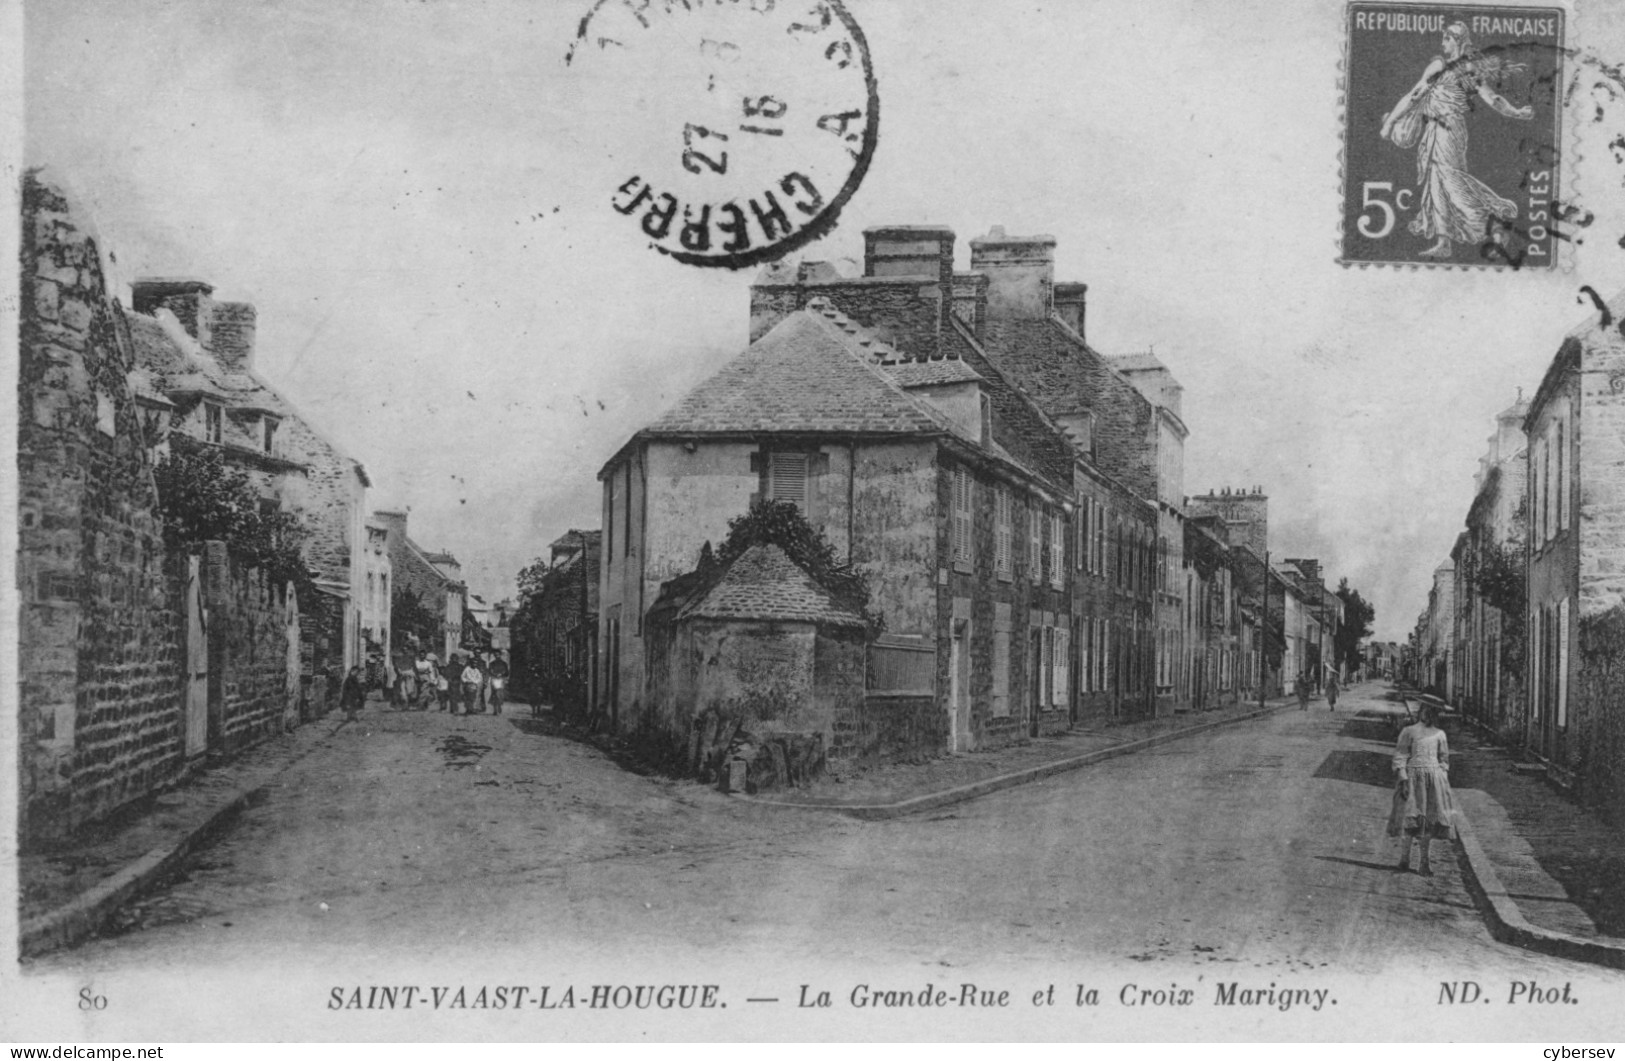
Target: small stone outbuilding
x=754 y=659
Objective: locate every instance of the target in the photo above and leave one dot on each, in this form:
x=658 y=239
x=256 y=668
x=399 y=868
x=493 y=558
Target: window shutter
x=788 y=480
x=1563 y=663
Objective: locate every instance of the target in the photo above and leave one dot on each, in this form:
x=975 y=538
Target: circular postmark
x=738 y=128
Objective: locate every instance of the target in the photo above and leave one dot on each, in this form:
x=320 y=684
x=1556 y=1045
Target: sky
x=416 y=196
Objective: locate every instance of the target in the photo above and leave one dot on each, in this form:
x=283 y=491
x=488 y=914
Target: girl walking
x=1424 y=808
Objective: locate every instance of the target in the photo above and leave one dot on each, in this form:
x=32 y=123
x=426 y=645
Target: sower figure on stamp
x=1424 y=807
x=1454 y=206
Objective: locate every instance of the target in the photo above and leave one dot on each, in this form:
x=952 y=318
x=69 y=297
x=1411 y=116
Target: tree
x=408 y=615
x=532 y=576
x=773 y=521
x=1356 y=626
x=202 y=498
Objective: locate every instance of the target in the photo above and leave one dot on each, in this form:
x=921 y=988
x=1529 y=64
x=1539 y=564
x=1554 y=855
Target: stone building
x=435 y=577
x=1435 y=635
x=199 y=355
x=755 y=649
x=900 y=441
x=1212 y=619
x=1126 y=408
x=122 y=684
x=1576 y=577
x=375 y=603
x=100 y=669
x=1490 y=642
x=554 y=634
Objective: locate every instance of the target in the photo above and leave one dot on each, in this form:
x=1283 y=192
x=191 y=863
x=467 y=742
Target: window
x=1035 y=542
x=1057 y=549
x=268 y=427
x=1063 y=647
x=1046 y=695
x=787 y=478
x=1546 y=487
x=1078 y=538
x=1001 y=660
x=1003 y=532
x=962 y=520
x=212 y=420
x=1563 y=663
x=609 y=519
x=1560 y=460
x=1086 y=675
x=626 y=531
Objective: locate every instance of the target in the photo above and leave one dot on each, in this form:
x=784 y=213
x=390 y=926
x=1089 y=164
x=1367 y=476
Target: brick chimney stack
x=187 y=299
x=225 y=330
x=1020 y=272
x=1069 y=304
x=231 y=334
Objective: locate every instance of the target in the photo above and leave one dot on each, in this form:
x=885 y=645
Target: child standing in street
x=351 y=695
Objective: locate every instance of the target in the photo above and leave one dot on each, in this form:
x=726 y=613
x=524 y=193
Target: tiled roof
x=1131 y=362
x=176 y=368
x=927 y=373
x=814 y=372
x=765 y=584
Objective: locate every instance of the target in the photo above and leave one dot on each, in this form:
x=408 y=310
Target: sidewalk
x=1549 y=873
x=69 y=891
x=889 y=791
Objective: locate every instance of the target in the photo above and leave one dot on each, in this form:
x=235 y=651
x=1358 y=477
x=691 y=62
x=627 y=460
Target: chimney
x=1020 y=272
x=910 y=250
x=970 y=300
x=1069 y=304
x=188 y=300
x=394 y=524
x=231 y=335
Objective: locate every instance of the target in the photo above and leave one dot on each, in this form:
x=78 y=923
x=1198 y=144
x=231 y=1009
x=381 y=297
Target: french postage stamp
x=763 y=126
x=1453 y=135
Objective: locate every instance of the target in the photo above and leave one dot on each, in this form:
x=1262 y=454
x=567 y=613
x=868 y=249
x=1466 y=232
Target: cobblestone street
x=1258 y=845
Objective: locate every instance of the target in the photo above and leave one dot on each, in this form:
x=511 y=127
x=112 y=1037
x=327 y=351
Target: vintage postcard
x=814 y=519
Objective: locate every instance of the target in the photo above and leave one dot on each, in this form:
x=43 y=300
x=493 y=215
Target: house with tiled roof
x=435 y=577
x=554 y=633
x=865 y=403
x=1090 y=438
x=198 y=390
x=756 y=646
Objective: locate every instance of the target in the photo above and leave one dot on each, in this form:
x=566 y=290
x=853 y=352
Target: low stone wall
x=891 y=727
x=251 y=694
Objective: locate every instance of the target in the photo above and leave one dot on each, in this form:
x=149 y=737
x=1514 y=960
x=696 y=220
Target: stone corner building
x=137 y=660
x=1575 y=432
x=100 y=671
x=1012 y=497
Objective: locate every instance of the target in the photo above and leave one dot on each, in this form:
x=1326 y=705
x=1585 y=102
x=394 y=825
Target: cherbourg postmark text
x=750 y=123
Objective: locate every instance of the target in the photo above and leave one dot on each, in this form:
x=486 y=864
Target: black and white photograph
x=796 y=520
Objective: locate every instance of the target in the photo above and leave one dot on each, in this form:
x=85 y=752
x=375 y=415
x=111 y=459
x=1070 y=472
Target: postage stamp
x=762 y=127
x=1452 y=135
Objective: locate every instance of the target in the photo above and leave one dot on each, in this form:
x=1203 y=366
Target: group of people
x=462 y=685
x=1304 y=685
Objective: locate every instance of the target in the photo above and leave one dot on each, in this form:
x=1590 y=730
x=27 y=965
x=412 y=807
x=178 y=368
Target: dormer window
x=213 y=423
x=268 y=426
x=787 y=478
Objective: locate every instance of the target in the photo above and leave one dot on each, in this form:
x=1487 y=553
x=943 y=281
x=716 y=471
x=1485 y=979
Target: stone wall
x=99 y=695
x=251 y=694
